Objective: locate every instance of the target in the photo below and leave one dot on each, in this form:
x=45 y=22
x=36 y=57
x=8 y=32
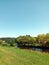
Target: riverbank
x=16 y=56
x=36 y=48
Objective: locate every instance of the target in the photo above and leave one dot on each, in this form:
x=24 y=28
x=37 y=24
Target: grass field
x=13 y=56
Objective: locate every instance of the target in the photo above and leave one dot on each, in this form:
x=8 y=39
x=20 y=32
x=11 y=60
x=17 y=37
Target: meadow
x=16 y=56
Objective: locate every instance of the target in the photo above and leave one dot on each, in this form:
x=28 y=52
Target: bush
x=47 y=44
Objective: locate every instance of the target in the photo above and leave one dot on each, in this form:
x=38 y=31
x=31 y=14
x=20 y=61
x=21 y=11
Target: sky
x=23 y=17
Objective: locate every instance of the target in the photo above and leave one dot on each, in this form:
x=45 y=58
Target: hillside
x=13 y=56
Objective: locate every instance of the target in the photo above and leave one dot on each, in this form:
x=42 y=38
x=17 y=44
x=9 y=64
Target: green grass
x=13 y=56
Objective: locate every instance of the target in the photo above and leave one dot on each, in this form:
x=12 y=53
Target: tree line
x=40 y=40
x=27 y=40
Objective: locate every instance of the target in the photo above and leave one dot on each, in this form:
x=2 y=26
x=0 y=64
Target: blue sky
x=23 y=17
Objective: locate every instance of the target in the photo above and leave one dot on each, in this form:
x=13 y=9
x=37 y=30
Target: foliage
x=47 y=44
x=1 y=42
x=8 y=42
x=11 y=41
x=25 y=40
x=42 y=39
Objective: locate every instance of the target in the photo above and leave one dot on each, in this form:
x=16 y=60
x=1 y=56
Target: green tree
x=25 y=40
x=42 y=39
x=11 y=42
x=1 y=42
x=47 y=38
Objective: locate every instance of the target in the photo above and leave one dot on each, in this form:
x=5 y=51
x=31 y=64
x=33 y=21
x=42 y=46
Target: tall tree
x=25 y=40
x=42 y=39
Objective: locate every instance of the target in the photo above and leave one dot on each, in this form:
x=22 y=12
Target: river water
x=41 y=49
